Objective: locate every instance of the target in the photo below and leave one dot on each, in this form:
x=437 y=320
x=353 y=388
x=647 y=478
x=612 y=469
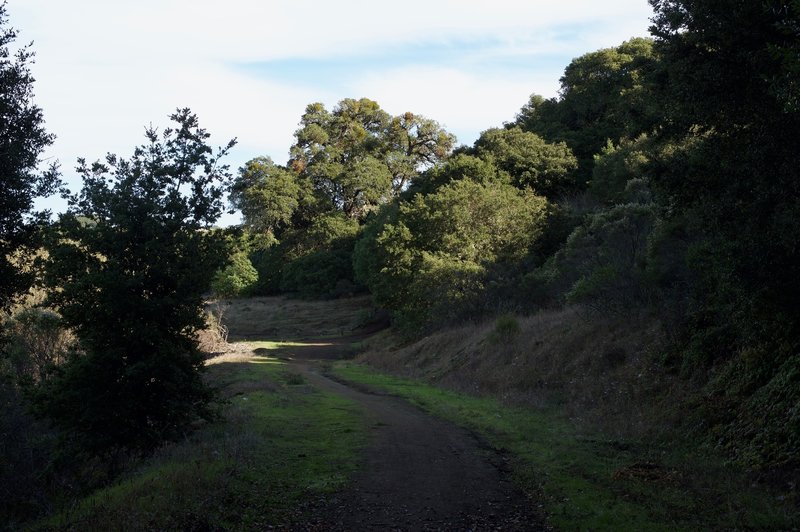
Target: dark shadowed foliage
x=130 y=262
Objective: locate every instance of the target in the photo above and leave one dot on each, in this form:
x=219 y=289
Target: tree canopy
x=428 y=261
x=604 y=96
x=358 y=156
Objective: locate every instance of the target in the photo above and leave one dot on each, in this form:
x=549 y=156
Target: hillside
x=568 y=441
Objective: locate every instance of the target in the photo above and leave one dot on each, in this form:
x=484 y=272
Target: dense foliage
x=128 y=265
x=729 y=80
x=432 y=261
x=31 y=340
x=604 y=96
x=344 y=165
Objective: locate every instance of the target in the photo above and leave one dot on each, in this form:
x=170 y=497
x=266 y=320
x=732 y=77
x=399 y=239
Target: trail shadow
x=310 y=349
x=305 y=348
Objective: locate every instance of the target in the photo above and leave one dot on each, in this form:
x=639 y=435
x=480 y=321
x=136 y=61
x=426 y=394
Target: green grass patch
x=281 y=444
x=589 y=483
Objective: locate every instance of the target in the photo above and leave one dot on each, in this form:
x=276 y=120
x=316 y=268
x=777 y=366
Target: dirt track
x=419 y=472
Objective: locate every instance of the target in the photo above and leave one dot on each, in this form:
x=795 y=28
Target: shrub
x=506 y=327
x=429 y=263
x=38 y=340
x=604 y=259
x=236 y=279
x=130 y=284
x=319 y=258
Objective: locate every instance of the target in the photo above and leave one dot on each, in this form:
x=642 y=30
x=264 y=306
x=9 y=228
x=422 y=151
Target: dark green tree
x=358 y=156
x=340 y=153
x=428 y=262
x=729 y=166
x=319 y=257
x=236 y=279
x=414 y=143
x=270 y=196
x=530 y=161
x=461 y=165
x=605 y=95
x=730 y=88
x=619 y=174
x=128 y=265
x=22 y=140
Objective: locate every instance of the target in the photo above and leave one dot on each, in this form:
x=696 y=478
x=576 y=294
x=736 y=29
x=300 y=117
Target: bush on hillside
x=236 y=279
x=429 y=264
x=38 y=341
x=604 y=259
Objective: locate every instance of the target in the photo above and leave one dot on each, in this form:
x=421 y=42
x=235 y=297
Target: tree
x=530 y=161
x=359 y=156
x=415 y=143
x=235 y=279
x=128 y=266
x=339 y=152
x=428 y=260
x=619 y=172
x=22 y=141
x=320 y=256
x=729 y=86
x=728 y=164
x=269 y=195
x=604 y=95
x=461 y=165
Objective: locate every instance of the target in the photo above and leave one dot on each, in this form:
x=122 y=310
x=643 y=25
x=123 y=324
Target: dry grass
x=279 y=318
x=600 y=370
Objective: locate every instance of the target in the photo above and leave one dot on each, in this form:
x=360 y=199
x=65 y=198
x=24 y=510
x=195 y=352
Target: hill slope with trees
x=659 y=189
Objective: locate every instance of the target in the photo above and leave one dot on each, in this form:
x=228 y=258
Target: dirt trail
x=419 y=472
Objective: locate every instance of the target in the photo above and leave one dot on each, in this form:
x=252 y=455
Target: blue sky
x=106 y=69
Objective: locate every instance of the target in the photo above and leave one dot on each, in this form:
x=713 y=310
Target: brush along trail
x=417 y=472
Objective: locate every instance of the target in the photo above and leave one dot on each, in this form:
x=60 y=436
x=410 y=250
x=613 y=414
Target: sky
x=106 y=69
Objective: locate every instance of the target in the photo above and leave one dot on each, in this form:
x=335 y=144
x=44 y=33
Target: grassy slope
x=278 y=318
x=611 y=407
x=280 y=445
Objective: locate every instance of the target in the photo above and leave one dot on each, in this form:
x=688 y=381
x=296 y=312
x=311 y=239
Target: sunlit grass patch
x=269 y=345
x=281 y=444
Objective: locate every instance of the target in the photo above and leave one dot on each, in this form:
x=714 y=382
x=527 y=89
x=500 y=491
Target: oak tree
x=128 y=265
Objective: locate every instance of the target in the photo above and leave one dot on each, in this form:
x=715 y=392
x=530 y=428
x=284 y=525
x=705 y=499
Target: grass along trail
x=307 y=441
x=575 y=478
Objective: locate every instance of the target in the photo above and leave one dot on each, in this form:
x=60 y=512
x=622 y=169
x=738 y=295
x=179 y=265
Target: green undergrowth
x=587 y=482
x=281 y=446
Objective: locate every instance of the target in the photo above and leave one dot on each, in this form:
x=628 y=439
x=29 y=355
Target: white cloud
x=253 y=30
x=464 y=103
x=105 y=69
